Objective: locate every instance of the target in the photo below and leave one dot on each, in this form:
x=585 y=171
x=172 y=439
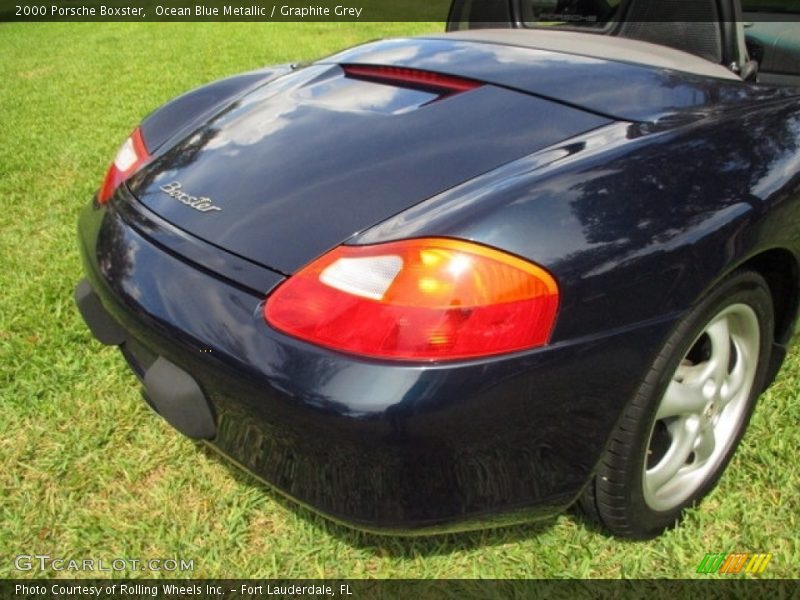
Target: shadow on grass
x=392 y=545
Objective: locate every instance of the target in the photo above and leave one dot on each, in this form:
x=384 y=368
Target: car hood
x=301 y=164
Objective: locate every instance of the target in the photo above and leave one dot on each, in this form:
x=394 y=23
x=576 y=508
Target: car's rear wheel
x=679 y=432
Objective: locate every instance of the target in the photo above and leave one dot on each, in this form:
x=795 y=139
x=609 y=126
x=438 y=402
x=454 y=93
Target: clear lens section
x=126 y=156
x=365 y=277
x=130 y=157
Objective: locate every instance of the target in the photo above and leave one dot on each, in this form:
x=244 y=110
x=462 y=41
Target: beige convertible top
x=595 y=45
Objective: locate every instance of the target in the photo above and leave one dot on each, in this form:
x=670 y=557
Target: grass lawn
x=87 y=471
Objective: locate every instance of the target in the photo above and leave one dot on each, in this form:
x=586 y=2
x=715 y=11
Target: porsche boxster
x=466 y=279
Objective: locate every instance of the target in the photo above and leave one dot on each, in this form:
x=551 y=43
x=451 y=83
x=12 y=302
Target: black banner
x=449 y=589
x=495 y=12
x=225 y=10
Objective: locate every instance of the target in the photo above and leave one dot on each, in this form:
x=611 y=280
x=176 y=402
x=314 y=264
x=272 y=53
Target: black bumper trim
x=177 y=397
x=168 y=389
x=104 y=328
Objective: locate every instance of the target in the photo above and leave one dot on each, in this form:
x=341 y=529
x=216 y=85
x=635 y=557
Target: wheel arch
x=779 y=267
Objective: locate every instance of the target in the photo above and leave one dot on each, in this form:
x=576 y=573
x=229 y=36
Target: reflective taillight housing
x=130 y=157
x=421 y=299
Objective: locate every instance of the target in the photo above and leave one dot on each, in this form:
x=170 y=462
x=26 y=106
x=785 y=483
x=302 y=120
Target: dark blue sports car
x=472 y=278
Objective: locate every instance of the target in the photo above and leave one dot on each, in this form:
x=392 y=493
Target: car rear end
x=187 y=244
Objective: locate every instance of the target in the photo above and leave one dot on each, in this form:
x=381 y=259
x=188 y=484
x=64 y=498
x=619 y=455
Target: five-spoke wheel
x=703 y=408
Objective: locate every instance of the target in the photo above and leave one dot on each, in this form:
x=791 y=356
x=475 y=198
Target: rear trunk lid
x=300 y=165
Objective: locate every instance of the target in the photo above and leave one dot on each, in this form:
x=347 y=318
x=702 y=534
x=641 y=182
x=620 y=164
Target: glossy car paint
x=184 y=113
x=318 y=157
x=635 y=218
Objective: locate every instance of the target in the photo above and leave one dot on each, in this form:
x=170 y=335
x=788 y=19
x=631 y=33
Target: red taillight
x=425 y=299
x=415 y=78
x=130 y=156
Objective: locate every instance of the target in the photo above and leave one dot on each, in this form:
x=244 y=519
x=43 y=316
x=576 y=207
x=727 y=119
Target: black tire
x=626 y=495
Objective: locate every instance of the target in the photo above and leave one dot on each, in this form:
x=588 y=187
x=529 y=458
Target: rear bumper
x=400 y=448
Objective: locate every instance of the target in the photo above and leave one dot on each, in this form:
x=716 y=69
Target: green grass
x=87 y=471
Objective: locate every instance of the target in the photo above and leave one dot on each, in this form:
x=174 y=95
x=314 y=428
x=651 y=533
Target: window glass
x=568 y=13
